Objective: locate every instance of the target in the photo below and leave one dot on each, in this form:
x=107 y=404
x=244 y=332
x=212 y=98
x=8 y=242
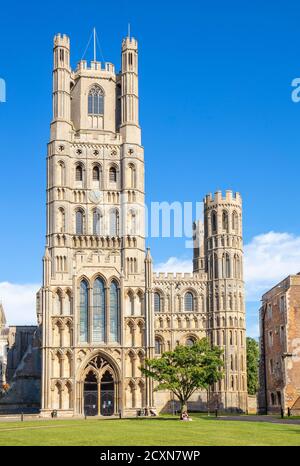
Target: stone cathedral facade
x=102 y=310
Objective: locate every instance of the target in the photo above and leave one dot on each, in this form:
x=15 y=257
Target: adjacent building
x=280 y=348
x=20 y=367
x=3 y=348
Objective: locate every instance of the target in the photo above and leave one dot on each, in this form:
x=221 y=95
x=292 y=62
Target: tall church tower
x=101 y=308
x=225 y=295
x=92 y=303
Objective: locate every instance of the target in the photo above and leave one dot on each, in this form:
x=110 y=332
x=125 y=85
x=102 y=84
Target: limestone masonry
x=102 y=309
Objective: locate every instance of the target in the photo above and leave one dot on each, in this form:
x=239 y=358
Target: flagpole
x=94 y=44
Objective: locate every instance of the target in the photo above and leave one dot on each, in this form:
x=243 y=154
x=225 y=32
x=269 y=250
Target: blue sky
x=216 y=113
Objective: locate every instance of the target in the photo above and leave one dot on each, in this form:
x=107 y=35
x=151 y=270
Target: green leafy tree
x=252 y=365
x=186 y=369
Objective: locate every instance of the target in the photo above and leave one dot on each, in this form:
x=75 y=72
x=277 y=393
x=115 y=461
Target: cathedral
x=102 y=309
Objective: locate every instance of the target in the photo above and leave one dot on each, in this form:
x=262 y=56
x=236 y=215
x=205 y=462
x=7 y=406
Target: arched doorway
x=100 y=388
x=107 y=394
x=91 y=394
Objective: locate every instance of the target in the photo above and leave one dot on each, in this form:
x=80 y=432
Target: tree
x=186 y=369
x=252 y=365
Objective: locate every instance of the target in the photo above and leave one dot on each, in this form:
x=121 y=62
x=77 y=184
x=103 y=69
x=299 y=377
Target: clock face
x=95 y=196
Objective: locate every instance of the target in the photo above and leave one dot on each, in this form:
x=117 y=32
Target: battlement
x=129 y=43
x=97 y=66
x=218 y=197
x=61 y=40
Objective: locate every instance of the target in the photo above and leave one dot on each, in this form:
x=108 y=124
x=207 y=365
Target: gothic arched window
x=157 y=302
x=84 y=306
x=234 y=221
x=189 y=302
x=227 y=265
x=214 y=222
x=79 y=222
x=96 y=173
x=96 y=222
x=225 y=220
x=78 y=173
x=132 y=222
x=58 y=303
x=130 y=298
x=61 y=173
x=96 y=101
x=61 y=220
x=158 y=345
x=113 y=174
x=132 y=176
x=98 y=311
x=216 y=271
x=114 y=313
x=114 y=222
x=189 y=341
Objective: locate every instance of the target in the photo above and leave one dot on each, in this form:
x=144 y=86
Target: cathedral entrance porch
x=99 y=389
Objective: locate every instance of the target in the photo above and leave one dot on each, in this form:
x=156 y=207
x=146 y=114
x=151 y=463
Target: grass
x=166 y=431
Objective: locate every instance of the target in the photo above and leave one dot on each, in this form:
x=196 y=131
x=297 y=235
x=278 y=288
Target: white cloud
x=174 y=264
x=19 y=303
x=269 y=258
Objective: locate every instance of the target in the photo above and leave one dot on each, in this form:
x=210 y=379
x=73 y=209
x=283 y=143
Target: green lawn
x=161 y=431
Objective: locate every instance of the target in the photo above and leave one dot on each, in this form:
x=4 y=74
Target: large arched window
x=189 y=302
x=157 y=302
x=84 y=306
x=97 y=222
x=79 y=222
x=98 y=311
x=114 y=222
x=114 y=312
x=96 y=101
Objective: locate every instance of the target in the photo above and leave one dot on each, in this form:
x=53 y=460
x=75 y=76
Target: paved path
x=261 y=418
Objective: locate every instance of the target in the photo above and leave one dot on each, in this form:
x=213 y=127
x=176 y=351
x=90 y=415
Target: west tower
x=92 y=303
x=101 y=308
